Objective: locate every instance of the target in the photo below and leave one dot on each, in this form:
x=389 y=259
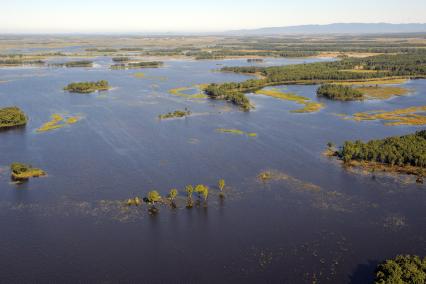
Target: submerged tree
x=189 y=191
x=172 y=196
x=153 y=197
x=221 y=185
x=202 y=191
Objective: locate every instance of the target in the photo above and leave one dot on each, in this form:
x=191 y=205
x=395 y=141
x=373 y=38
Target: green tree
x=404 y=269
x=153 y=197
x=173 y=194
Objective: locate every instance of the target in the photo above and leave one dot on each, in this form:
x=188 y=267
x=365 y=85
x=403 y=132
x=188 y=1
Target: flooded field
x=308 y=219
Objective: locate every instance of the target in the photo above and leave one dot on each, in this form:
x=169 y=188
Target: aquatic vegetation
x=181 y=92
x=309 y=106
x=406 y=116
x=87 y=87
x=139 y=75
x=134 y=201
x=12 y=117
x=57 y=121
x=402 y=269
x=11 y=62
x=175 y=114
x=400 y=154
x=22 y=172
x=236 y=131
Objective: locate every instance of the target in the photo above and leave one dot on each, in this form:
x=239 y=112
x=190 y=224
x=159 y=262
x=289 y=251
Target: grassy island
x=405 y=154
x=22 y=172
x=402 y=269
x=309 y=106
x=175 y=114
x=71 y=64
x=87 y=87
x=12 y=117
x=137 y=65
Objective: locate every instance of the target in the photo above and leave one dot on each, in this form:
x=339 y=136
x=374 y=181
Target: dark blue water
x=317 y=221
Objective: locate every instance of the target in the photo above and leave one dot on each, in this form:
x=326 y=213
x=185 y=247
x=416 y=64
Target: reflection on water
x=313 y=221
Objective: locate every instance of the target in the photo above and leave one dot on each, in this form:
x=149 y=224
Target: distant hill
x=338 y=28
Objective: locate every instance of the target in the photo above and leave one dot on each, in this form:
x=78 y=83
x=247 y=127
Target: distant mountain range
x=338 y=28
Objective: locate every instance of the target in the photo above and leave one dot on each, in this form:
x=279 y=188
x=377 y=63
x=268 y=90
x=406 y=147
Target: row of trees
x=153 y=197
x=403 y=150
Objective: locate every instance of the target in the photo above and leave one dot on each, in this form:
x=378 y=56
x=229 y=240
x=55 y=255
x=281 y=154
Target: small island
x=87 y=87
x=121 y=59
x=402 y=154
x=72 y=64
x=175 y=114
x=11 y=117
x=255 y=60
x=137 y=65
x=339 y=92
x=23 y=172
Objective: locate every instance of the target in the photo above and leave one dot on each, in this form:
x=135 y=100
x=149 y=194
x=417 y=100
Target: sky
x=114 y=16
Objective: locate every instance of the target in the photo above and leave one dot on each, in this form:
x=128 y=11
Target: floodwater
x=314 y=221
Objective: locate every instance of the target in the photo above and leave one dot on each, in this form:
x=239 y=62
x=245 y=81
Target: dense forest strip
x=408 y=151
x=408 y=65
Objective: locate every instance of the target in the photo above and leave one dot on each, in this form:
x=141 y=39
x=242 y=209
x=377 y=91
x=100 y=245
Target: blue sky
x=192 y=15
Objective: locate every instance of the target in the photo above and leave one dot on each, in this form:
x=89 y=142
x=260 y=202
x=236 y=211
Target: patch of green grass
x=87 y=87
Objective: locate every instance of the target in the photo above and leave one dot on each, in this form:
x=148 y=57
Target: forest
x=401 y=151
x=339 y=92
x=12 y=117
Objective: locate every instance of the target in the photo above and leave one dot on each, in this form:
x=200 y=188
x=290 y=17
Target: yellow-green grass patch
x=236 y=131
x=378 y=92
x=181 y=92
x=406 y=116
x=57 y=121
x=309 y=106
